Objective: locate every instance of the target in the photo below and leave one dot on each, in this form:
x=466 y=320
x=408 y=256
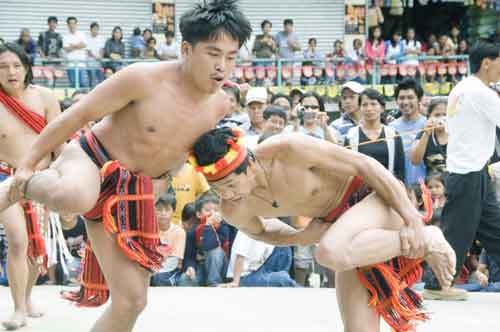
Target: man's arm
x=297 y=148
x=108 y=97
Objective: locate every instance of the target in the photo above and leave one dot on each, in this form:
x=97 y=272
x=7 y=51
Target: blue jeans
x=166 y=278
x=3 y=276
x=95 y=76
x=274 y=272
x=82 y=77
x=213 y=268
x=492 y=287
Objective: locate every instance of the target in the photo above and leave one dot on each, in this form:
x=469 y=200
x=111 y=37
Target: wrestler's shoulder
x=44 y=92
x=152 y=70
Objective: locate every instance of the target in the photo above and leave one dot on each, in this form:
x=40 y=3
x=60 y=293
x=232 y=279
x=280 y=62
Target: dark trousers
x=471 y=211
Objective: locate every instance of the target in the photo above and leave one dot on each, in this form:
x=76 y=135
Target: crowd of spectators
x=92 y=57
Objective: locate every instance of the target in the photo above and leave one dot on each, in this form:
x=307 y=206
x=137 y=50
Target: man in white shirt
x=471 y=210
x=168 y=50
x=95 y=50
x=75 y=51
x=257 y=264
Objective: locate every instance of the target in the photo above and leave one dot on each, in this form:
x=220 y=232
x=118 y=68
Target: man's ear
x=186 y=48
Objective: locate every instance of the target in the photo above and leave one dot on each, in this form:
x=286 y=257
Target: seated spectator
x=50 y=42
x=357 y=55
x=489 y=266
x=435 y=183
x=137 y=44
x=211 y=236
x=264 y=46
x=146 y=34
x=257 y=264
x=235 y=118
x=312 y=53
x=455 y=37
x=150 y=51
x=168 y=50
x=430 y=144
x=27 y=43
x=256 y=103
x=189 y=222
x=463 y=47
x=374 y=46
x=175 y=237
x=445 y=45
x=375 y=139
x=114 y=50
x=394 y=48
x=432 y=43
x=282 y=100
x=412 y=48
x=310 y=118
x=275 y=119
x=338 y=53
x=75 y=234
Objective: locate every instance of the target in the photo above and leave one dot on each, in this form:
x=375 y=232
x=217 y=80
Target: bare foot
x=33 y=310
x=16 y=321
x=9 y=193
x=440 y=256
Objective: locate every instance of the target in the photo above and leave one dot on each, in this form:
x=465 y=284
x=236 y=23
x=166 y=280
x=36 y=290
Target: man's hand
x=21 y=178
x=412 y=239
x=214 y=219
x=482 y=279
x=323 y=120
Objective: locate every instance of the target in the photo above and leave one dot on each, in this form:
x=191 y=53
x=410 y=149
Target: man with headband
x=373 y=242
x=152 y=113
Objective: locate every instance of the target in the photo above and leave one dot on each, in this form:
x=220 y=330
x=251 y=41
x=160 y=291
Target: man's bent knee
x=334 y=257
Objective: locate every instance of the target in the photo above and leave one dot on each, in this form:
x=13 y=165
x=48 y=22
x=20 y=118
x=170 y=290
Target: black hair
x=265 y=136
x=373 y=95
x=482 y=50
x=287 y=21
x=147 y=30
x=94 y=25
x=281 y=95
x=435 y=176
x=51 y=19
x=168 y=199
x=320 y=100
x=234 y=91
x=274 y=110
x=337 y=41
x=434 y=103
x=407 y=84
x=210 y=19
x=169 y=34
x=213 y=145
x=151 y=39
x=371 y=37
x=137 y=31
x=71 y=18
x=200 y=202
x=188 y=212
x=23 y=56
x=294 y=92
x=312 y=40
x=116 y=28
x=396 y=32
x=264 y=23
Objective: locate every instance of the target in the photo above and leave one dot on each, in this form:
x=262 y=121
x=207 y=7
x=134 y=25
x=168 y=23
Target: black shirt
x=435 y=154
x=50 y=43
x=380 y=152
x=76 y=237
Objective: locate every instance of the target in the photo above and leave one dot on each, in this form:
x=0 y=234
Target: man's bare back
x=15 y=137
x=153 y=133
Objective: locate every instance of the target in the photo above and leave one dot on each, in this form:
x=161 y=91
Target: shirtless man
x=15 y=139
x=297 y=175
x=152 y=115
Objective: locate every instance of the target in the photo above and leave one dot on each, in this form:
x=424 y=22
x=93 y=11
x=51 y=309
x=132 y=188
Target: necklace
x=272 y=202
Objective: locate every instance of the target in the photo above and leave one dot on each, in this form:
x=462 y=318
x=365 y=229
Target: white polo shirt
x=75 y=38
x=473 y=115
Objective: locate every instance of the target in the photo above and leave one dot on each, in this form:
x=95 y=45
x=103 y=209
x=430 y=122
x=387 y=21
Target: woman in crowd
x=375 y=47
x=114 y=49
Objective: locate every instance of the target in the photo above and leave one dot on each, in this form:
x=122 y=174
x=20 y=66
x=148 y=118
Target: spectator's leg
x=352 y=298
x=71 y=77
x=215 y=261
x=127 y=281
x=185 y=281
x=280 y=260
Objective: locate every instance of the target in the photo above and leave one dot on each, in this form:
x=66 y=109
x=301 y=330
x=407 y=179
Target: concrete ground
x=249 y=310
